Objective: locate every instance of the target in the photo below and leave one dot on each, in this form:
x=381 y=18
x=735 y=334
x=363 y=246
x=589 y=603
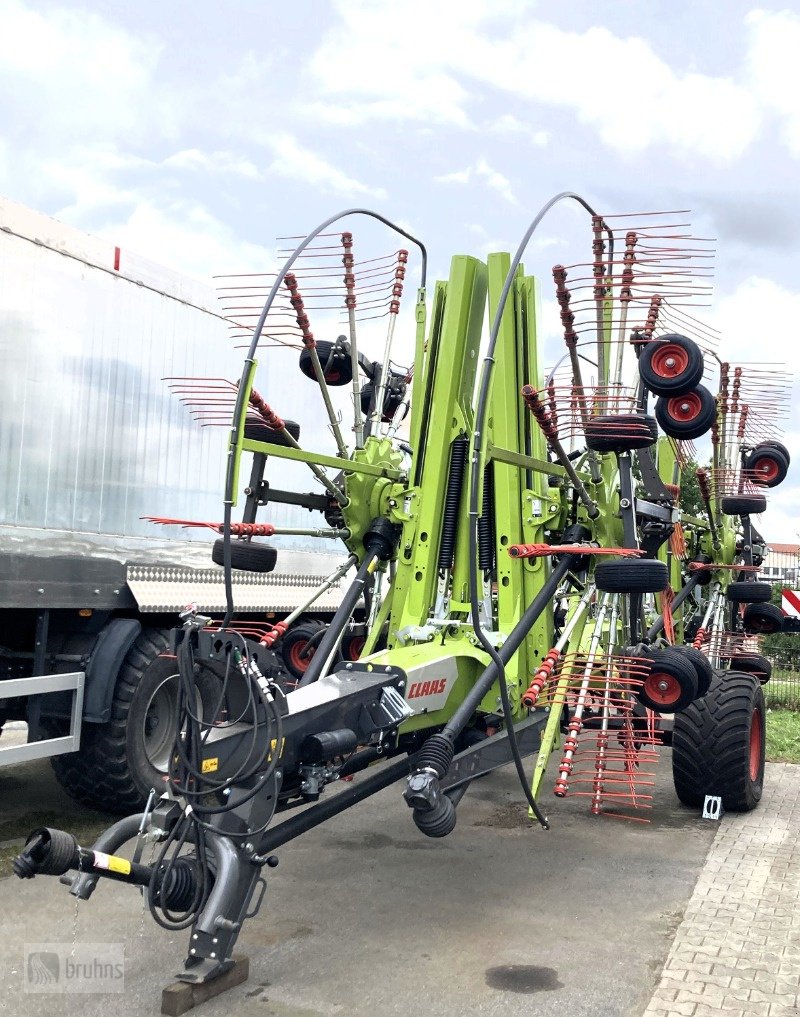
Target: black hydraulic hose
x=339 y=621
x=250 y=359
x=467 y=708
x=486 y=524
x=455 y=484
x=658 y=624
x=477 y=445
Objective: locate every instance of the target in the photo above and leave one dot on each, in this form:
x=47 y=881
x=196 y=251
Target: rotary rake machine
x=532 y=576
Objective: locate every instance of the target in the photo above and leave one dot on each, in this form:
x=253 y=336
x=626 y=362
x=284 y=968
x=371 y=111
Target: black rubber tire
x=753 y=663
x=255 y=430
x=749 y=593
x=763 y=619
x=292 y=643
x=694 y=421
x=659 y=377
x=706 y=575
x=246 y=556
x=743 y=504
x=678 y=673
x=112 y=771
x=768 y=464
x=340 y=370
x=352 y=645
x=631 y=575
x=711 y=745
x=620 y=432
x=702 y=666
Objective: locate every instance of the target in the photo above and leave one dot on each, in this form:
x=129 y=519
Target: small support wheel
x=672 y=683
x=749 y=593
x=743 y=504
x=768 y=464
x=254 y=430
x=294 y=646
x=621 y=432
x=754 y=664
x=337 y=368
x=671 y=365
x=687 y=416
x=245 y=555
x=631 y=575
x=763 y=619
x=702 y=665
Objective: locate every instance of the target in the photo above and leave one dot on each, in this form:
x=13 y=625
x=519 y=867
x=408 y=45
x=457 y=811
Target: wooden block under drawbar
x=182 y=996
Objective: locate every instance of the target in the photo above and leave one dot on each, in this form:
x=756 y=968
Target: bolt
x=670 y=361
x=348 y=667
x=387 y=669
x=624 y=503
x=663 y=685
x=193 y=951
x=40 y=591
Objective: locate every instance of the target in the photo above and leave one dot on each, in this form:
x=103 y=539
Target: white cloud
x=406 y=74
x=302 y=164
x=481 y=170
x=79 y=73
x=508 y=124
x=213 y=162
x=186 y=237
x=774 y=68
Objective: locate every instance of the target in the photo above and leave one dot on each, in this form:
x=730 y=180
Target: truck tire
x=745 y=592
x=718 y=745
x=120 y=761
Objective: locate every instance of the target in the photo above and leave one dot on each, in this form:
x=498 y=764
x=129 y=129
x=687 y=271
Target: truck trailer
x=94 y=437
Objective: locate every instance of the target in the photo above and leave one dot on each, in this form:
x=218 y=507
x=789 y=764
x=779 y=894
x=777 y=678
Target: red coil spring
x=290 y=280
x=266 y=411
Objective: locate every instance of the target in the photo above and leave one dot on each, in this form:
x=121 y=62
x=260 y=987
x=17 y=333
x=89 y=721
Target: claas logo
x=427 y=688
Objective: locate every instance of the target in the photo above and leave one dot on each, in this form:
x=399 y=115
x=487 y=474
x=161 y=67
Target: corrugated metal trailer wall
x=91 y=438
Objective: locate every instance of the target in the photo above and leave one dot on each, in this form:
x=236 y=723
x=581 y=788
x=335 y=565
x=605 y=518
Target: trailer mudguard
x=109 y=652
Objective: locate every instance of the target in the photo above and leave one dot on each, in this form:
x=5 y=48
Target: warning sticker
x=210 y=765
x=111 y=863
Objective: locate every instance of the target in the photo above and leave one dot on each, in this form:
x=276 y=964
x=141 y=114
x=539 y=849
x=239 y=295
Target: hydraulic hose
x=477 y=446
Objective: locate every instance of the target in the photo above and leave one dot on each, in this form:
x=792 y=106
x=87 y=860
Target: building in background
x=782 y=564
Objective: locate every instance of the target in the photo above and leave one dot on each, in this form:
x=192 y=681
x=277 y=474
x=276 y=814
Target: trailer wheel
x=718 y=745
x=120 y=761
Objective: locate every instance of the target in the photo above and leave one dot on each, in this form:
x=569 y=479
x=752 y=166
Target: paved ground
x=365 y=916
x=737 y=950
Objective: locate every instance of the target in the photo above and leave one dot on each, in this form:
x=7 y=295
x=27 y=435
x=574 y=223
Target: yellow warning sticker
x=117 y=864
x=111 y=863
x=210 y=765
x=273 y=745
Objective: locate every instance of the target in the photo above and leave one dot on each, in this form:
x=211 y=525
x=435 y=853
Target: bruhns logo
x=84 y=967
x=43 y=968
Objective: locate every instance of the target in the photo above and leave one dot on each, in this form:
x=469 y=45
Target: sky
x=195 y=133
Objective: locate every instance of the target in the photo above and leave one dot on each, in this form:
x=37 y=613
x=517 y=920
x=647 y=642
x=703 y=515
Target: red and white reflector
x=790 y=603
